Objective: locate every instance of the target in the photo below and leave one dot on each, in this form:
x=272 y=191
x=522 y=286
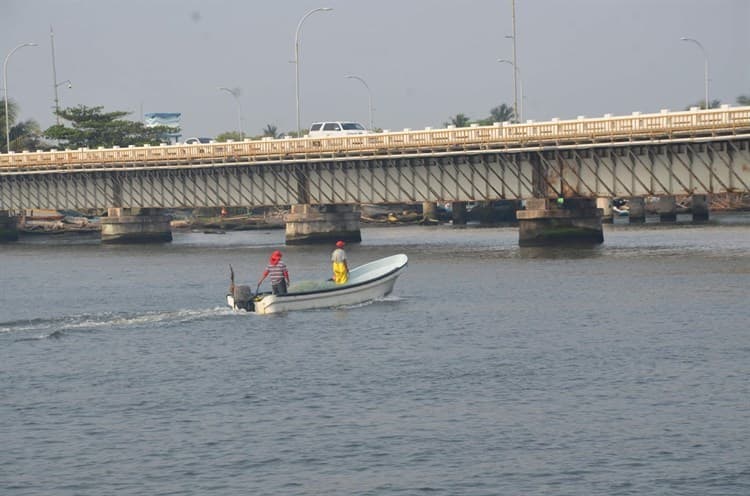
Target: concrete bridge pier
x=605 y=204
x=8 y=227
x=667 y=208
x=459 y=213
x=428 y=211
x=699 y=207
x=312 y=224
x=548 y=222
x=637 y=210
x=136 y=225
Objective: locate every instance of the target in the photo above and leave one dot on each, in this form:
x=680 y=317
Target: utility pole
x=515 y=61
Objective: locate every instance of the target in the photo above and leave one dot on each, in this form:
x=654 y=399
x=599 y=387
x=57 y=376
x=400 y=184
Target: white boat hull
x=366 y=283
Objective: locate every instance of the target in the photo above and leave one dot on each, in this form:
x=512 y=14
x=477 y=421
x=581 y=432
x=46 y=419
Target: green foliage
x=25 y=135
x=743 y=100
x=91 y=128
x=702 y=105
x=459 y=120
x=271 y=131
x=229 y=135
x=501 y=113
x=293 y=134
x=12 y=112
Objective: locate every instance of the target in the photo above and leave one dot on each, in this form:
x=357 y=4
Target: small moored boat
x=366 y=283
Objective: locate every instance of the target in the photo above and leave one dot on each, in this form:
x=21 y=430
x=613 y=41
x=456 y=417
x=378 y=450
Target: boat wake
x=56 y=328
x=384 y=299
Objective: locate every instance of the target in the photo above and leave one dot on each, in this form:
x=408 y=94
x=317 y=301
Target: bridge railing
x=664 y=125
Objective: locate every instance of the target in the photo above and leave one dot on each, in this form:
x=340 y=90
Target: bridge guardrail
x=692 y=123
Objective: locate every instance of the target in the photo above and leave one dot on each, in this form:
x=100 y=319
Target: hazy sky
x=424 y=60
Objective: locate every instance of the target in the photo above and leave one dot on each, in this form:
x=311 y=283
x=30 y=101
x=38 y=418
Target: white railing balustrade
x=637 y=126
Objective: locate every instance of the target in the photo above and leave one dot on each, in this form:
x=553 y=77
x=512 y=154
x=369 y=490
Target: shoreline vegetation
x=220 y=220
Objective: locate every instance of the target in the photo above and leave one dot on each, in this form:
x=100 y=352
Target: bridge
x=695 y=152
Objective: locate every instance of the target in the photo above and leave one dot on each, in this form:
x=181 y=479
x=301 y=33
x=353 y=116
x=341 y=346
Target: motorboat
x=367 y=282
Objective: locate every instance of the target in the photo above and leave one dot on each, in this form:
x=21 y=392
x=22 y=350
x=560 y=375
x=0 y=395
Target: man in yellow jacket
x=340 y=267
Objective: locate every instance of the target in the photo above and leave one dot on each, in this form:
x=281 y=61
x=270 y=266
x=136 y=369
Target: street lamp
x=369 y=94
x=55 y=84
x=519 y=116
x=236 y=94
x=705 y=56
x=515 y=60
x=296 y=57
x=57 y=100
x=5 y=85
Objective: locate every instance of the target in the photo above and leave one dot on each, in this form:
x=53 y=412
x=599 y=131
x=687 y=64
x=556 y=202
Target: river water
x=492 y=369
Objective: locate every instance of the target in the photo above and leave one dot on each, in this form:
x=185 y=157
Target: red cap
x=275 y=256
x=340 y=244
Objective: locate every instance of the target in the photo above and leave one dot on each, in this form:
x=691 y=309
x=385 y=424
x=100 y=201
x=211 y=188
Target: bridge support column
x=637 y=210
x=605 y=204
x=667 y=208
x=459 y=213
x=8 y=227
x=550 y=223
x=136 y=225
x=699 y=207
x=428 y=210
x=310 y=224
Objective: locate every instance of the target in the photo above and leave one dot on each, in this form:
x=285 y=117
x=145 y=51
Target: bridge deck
x=555 y=134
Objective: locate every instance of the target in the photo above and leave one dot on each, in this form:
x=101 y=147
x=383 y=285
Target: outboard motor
x=243 y=298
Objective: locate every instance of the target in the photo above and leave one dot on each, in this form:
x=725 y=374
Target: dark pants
x=279 y=288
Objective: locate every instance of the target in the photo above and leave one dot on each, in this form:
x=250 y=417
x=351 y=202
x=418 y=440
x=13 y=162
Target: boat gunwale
x=340 y=287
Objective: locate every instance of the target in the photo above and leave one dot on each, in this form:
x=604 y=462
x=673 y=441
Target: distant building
x=169 y=119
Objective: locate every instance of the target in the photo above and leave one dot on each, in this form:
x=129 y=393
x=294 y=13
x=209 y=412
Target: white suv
x=336 y=128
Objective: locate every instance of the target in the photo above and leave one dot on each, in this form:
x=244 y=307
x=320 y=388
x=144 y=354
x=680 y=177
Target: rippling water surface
x=621 y=369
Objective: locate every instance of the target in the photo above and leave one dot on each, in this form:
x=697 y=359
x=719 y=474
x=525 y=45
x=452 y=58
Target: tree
x=24 y=135
x=27 y=135
x=702 y=104
x=743 y=100
x=459 y=120
x=501 y=113
x=271 y=131
x=229 y=135
x=91 y=128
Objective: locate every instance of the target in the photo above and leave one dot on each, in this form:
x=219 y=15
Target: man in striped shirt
x=278 y=273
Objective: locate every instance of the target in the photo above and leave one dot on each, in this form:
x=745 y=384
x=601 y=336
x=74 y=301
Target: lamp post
x=236 y=94
x=296 y=57
x=705 y=68
x=55 y=84
x=369 y=95
x=57 y=100
x=515 y=60
x=519 y=116
x=5 y=85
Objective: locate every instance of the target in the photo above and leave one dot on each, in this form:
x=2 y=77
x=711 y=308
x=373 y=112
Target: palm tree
x=26 y=135
x=271 y=131
x=459 y=120
x=502 y=113
x=12 y=115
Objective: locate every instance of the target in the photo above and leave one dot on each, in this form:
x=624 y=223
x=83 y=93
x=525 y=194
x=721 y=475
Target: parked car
x=336 y=128
x=196 y=141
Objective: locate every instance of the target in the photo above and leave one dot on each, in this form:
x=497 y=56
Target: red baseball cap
x=276 y=256
x=340 y=244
